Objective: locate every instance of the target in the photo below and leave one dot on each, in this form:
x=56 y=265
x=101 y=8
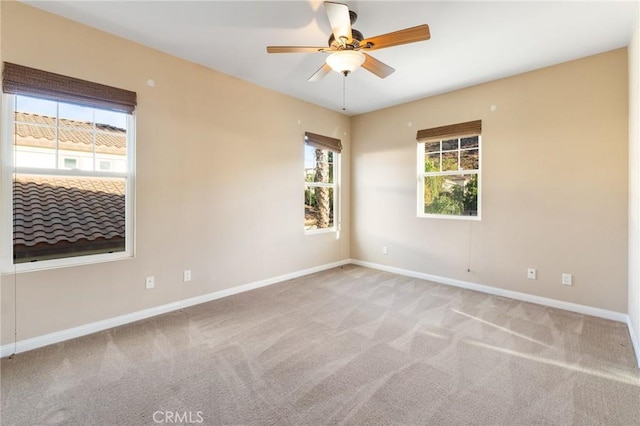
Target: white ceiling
x=471 y=42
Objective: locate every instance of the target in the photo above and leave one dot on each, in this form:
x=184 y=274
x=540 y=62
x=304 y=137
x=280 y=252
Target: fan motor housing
x=355 y=34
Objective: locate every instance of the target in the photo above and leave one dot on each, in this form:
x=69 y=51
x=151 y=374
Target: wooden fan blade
x=377 y=67
x=408 y=35
x=295 y=49
x=321 y=73
x=340 y=20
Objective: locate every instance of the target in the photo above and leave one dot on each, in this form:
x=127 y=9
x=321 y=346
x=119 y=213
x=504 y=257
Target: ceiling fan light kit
x=345 y=61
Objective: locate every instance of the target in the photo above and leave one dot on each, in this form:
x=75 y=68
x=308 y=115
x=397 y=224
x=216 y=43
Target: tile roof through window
x=61 y=216
x=40 y=130
x=56 y=215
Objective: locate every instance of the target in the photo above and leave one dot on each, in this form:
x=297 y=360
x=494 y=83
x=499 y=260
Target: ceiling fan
x=347 y=46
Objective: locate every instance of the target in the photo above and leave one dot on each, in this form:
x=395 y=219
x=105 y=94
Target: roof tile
x=39 y=130
x=57 y=209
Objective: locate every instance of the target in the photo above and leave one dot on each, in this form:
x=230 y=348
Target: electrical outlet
x=567 y=279
x=186 y=276
x=385 y=250
x=150 y=283
x=532 y=274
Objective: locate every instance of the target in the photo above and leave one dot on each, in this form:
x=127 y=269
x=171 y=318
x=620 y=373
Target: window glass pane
x=451 y=195
x=75 y=113
x=75 y=140
x=432 y=146
x=36 y=134
x=34 y=145
x=450 y=144
x=319 y=166
x=432 y=162
x=450 y=160
x=309 y=158
x=112 y=140
x=107 y=119
x=64 y=216
x=471 y=142
x=36 y=106
x=318 y=207
x=469 y=159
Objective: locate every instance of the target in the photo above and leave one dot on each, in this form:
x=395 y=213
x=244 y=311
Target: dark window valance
x=322 y=142
x=460 y=130
x=21 y=80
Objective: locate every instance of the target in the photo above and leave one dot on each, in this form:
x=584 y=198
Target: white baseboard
x=568 y=306
x=83 y=330
x=634 y=339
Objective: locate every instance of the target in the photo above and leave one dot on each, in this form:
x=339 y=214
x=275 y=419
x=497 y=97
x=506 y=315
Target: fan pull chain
x=344 y=91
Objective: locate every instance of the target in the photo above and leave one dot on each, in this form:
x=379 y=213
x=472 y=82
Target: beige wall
x=634 y=184
x=554 y=184
x=219 y=180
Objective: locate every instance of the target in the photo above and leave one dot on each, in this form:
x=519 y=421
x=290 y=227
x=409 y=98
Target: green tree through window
x=449 y=171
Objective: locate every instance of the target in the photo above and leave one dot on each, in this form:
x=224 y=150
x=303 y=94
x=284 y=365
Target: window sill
x=65 y=263
x=320 y=231
x=446 y=216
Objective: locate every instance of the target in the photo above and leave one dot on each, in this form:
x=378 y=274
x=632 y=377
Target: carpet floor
x=346 y=346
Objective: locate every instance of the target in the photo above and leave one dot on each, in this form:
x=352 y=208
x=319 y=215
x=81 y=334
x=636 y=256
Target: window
x=64 y=209
x=69 y=163
x=449 y=171
x=321 y=157
x=105 y=165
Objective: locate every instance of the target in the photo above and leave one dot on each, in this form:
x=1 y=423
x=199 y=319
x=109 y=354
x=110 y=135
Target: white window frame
x=336 y=195
x=422 y=174
x=6 y=180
